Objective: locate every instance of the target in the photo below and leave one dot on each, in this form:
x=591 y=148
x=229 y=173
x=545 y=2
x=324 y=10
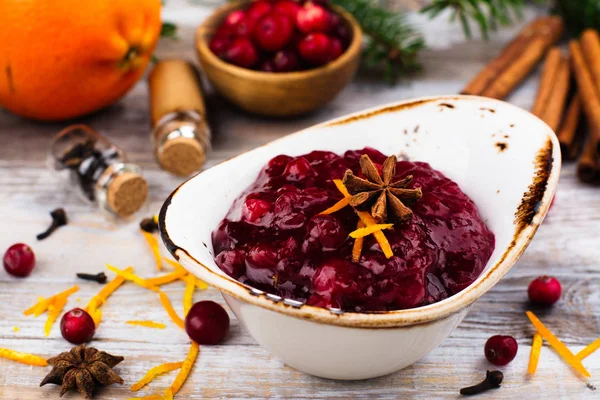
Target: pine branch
x=486 y=14
x=579 y=14
x=391 y=43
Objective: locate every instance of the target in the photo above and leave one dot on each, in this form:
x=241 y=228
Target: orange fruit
x=62 y=59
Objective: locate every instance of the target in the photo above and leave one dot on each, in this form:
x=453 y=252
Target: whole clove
x=59 y=218
x=492 y=380
x=100 y=277
x=149 y=225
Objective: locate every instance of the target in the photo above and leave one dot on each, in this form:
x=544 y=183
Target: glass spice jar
x=180 y=134
x=97 y=169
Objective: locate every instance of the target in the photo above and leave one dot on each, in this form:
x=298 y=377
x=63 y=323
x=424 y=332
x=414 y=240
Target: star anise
x=386 y=199
x=83 y=369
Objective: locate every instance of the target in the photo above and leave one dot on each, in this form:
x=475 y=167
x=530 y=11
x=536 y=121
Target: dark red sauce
x=274 y=239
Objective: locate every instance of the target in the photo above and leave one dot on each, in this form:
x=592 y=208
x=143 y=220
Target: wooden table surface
x=567 y=246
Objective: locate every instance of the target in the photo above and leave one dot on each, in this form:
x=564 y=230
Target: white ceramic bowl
x=507 y=160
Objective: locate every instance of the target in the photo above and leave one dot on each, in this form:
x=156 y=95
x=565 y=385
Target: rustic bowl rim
x=395 y=318
x=353 y=50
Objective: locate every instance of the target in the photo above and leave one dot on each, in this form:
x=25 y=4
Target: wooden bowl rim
x=347 y=56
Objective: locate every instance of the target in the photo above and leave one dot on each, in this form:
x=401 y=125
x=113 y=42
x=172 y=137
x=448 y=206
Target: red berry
x=219 y=46
x=267 y=66
x=313 y=18
x=287 y=7
x=343 y=33
x=334 y=22
x=77 y=326
x=544 y=290
x=233 y=18
x=258 y=9
x=315 y=48
x=335 y=48
x=207 y=322
x=255 y=209
x=285 y=61
x=19 y=260
x=225 y=32
x=500 y=350
x=273 y=31
x=242 y=53
x=298 y=169
x=245 y=27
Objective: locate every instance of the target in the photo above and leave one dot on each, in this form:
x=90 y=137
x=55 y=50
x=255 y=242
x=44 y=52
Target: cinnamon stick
x=523 y=64
x=547 y=81
x=570 y=136
x=556 y=103
x=590 y=97
x=590 y=46
x=588 y=167
x=511 y=51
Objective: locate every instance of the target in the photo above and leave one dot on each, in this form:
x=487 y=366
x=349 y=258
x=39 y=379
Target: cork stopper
x=181 y=156
x=126 y=193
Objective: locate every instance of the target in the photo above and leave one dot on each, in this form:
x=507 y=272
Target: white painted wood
x=567 y=246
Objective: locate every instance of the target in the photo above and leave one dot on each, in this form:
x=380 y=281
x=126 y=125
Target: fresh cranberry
x=285 y=61
x=207 y=322
x=544 y=290
x=313 y=18
x=77 y=326
x=287 y=7
x=500 y=350
x=19 y=260
x=267 y=66
x=242 y=53
x=219 y=46
x=315 y=48
x=343 y=33
x=273 y=31
x=298 y=169
x=258 y=9
x=255 y=209
x=225 y=32
x=334 y=21
x=245 y=27
x=233 y=18
x=327 y=231
x=335 y=48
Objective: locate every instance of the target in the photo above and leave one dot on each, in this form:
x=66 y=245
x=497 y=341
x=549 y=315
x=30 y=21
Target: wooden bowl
x=277 y=94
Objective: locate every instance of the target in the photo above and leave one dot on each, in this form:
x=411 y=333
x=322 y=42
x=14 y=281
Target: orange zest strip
x=147 y=324
x=130 y=276
x=169 y=308
x=340 y=186
x=105 y=292
x=154 y=372
x=168 y=394
x=185 y=369
x=559 y=346
x=336 y=207
x=188 y=294
x=54 y=311
x=23 y=358
x=43 y=304
x=358 y=244
x=153 y=243
x=168 y=278
x=200 y=284
x=174 y=264
x=362 y=232
x=368 y=220
x=588 y=350
x=96 y=316
x=534 y=357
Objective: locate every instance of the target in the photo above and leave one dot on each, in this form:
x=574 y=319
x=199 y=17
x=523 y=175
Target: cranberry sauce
x=274 y=239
